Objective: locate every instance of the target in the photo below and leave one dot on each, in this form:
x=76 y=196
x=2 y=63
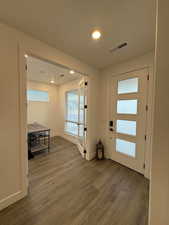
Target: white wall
x=13 y=160
x=159 y=195
x=45 y=113
x=145 y=61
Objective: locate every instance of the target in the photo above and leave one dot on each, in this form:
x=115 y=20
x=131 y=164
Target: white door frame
x=22 y=51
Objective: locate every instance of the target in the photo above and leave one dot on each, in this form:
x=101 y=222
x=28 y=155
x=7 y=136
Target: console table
x=38 y=138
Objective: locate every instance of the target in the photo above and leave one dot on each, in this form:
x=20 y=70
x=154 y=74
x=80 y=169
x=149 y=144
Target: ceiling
x=42 y=71
x=67 y=25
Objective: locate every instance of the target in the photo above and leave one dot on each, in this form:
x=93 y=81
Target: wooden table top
x=36 y=127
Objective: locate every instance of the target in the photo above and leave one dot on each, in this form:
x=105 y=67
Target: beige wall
x=46 y=113
x=10 y=148
x=145 y=61
x=159 y=197
x=13 y=160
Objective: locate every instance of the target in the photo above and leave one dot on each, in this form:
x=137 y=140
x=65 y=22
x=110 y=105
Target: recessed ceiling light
x=52 y=81
x=71 y=71
x=96 y=35
x=26 y=56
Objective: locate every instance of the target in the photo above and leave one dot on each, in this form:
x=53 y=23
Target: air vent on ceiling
x=118 y=47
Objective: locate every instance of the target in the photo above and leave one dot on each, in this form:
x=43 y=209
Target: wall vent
x=122 y=45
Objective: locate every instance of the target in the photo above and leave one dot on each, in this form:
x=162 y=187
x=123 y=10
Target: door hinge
x=85 y=129
x=145 y=137
x=85 y=106
x=86 y=83
x=111 y=123
x=146 y=107
x=148 y=77
x=84 y=153
x=144 y=166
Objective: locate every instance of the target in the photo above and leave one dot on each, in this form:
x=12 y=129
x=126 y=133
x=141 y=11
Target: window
x=127 y=106
x=71 y=128
x=126 y=127
x=126 y=147
x=37 y=96
x=72 y=106
x=74 y=123
x=128 y=86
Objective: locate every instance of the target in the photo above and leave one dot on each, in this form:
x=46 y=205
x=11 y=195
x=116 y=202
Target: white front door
x=127 y=126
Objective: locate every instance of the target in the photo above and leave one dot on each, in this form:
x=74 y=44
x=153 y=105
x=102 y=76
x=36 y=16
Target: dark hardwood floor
x=67 y=190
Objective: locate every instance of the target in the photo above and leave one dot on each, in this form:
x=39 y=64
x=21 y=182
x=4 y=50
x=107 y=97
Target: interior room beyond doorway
x=56 y=98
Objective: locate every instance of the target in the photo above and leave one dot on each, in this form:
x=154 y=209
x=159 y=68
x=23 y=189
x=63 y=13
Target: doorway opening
x=56 y=107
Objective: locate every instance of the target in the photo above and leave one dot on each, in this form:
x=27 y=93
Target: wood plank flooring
x=68 y=190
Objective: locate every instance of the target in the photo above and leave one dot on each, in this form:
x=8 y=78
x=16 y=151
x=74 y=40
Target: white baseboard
x=12 y=199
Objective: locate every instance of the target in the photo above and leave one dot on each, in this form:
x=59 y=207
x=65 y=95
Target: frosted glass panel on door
x=126 y=147
x=127 y=106
x=126 y=127
x=128 y=86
